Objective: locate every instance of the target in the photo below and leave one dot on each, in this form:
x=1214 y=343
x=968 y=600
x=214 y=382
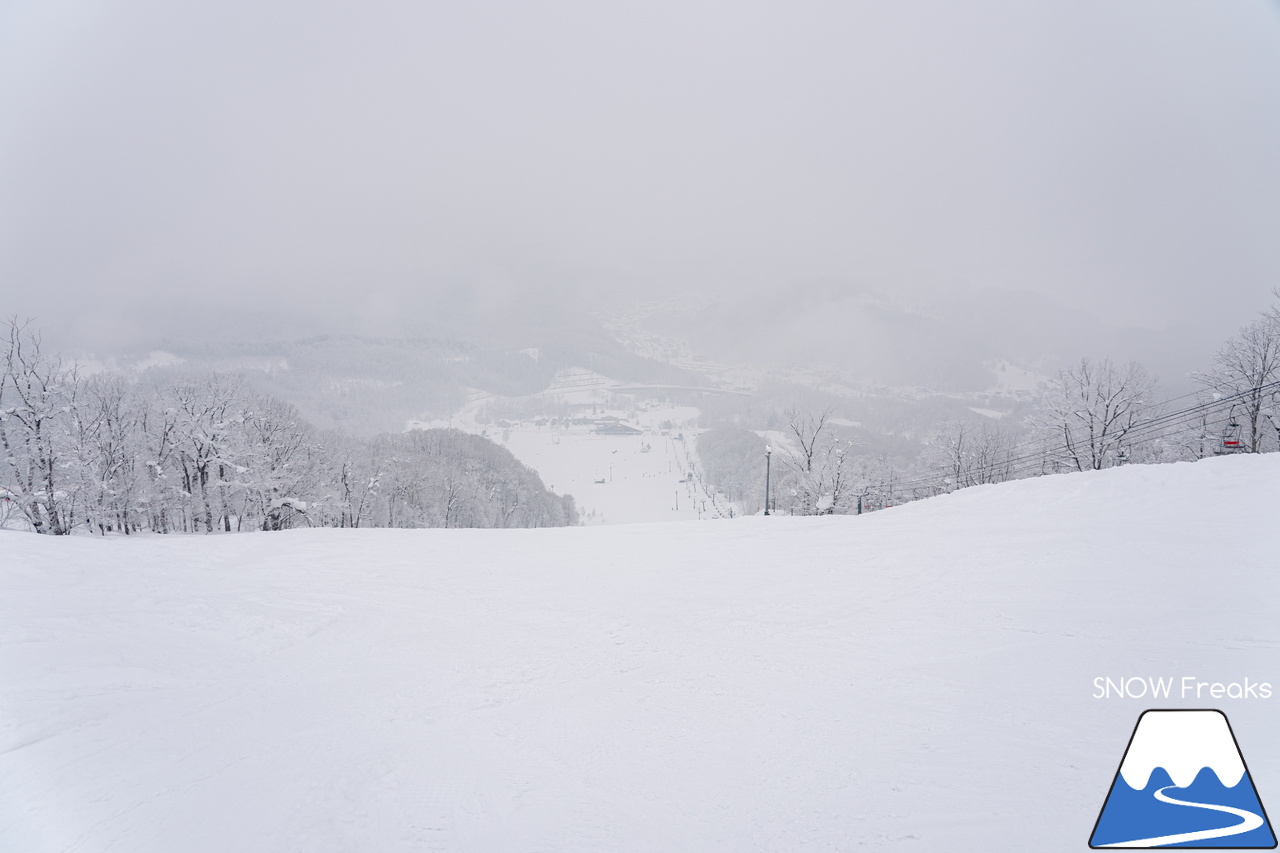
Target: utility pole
x=768 y=453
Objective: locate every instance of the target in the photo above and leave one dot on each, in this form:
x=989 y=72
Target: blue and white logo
x=1183 y=783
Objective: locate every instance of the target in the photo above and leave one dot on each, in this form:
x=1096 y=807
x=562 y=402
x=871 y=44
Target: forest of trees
x=102 y=453
x=1093 y=415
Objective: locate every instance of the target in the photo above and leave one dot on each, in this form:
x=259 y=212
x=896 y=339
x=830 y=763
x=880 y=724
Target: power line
x=1028 y=461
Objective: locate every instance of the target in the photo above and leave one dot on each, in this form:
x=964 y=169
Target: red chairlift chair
x=1231 y=442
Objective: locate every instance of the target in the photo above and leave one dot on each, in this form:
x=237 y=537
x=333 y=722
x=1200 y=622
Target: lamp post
x=768 y=452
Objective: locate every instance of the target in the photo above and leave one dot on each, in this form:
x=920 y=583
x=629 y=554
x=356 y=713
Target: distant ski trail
x=1249 y=821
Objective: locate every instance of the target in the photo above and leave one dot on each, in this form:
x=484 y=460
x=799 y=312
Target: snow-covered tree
x=35 y=397
x=879 y=483
x=817 y=460
x=1246 y=369
x=733 y=459
x=166 y=496
x=276 y=464
x=1088 y=412
x=354 y=476
x=447 y=478
x=109 y=423
x=961 y=454
x=207 y=418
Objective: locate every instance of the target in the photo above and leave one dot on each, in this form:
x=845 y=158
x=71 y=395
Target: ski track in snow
x=916 y=679
x=1248 y=822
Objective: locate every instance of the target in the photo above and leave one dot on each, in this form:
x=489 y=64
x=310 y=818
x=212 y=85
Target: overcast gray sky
x=1124 y=157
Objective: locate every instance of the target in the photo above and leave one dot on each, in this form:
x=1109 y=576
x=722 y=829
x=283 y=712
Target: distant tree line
x=732 y=460
x=1093 y=415
x=101 y=453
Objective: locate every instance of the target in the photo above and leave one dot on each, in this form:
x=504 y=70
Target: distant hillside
x=367 y=385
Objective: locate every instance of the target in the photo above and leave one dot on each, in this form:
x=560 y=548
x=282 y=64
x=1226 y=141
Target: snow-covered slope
x=916 y=679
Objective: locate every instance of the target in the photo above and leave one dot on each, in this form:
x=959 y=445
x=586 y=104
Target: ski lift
x=1231 y=442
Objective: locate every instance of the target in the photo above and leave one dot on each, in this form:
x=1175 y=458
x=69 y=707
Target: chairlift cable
x=1030 y=460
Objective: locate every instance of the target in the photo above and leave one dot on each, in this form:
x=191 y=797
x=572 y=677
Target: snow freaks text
x=1186 y=687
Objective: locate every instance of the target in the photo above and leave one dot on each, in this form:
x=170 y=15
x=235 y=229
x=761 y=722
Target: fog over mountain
x=907 y=189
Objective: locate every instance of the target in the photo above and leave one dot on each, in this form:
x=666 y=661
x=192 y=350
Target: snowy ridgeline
x=915 y=679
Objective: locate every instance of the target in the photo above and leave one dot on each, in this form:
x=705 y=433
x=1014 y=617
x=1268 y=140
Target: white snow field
x=917 y=679
x=658 y=484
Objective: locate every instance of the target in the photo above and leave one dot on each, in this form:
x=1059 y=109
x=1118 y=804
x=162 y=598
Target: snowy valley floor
x=915 y=679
